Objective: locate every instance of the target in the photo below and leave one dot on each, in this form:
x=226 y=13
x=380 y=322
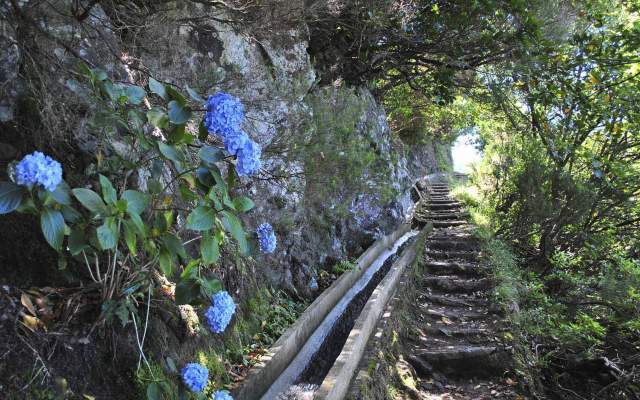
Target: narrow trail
x=455 y=347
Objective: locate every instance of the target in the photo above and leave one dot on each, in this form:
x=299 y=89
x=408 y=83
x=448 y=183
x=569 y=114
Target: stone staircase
x=456 y=352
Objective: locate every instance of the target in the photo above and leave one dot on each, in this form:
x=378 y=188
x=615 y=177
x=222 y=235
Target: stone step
x=455 y=268
x=448 y=223
x=453 y=206
x=451 y=244
x=448 y=216
x=456 y=314
x=464 y=360
x=453 y=254
x=441 y=200
x=455 y=284
x=457 y=332
x=453 y=301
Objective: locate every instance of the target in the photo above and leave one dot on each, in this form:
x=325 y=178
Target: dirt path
x=454 y=350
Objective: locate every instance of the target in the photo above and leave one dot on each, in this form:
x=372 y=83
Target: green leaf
x=174 y=245
x=136 y=201
x=175 y=95
x=205 y=177
x=169 y=152
x=53 y=227
x=233 y=225
x=77 y=241
x=98 y=74
x=191 y=270
x=157 y=88
x=209 y=249
x=70 y=214
x=203 y=133
x=62 y=194
x=172 y=365
x=115 y=92
x=202 y=218
x=130 y=237
x=154 y=392
x=135 y=94
x=209 y=287
x=90 y=200
x=243 y=203
x=186 y=291
x=10 y=197
x=158 y=118
x=108 y=192
x=137 y=222
x=166 y=262
x=178 y=114
x=210 y=155
x=194 y=95
x=108 y=234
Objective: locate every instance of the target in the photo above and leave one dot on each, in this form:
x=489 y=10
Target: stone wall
x=264 y=62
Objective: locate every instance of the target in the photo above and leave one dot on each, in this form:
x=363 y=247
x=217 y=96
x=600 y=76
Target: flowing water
x=313 y=361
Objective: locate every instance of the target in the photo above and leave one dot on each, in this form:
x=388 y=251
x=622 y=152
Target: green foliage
x=342 y=267
x=339 y=150
x=135 y=231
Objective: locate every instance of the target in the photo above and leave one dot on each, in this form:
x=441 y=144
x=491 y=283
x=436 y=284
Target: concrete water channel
x=317 y=355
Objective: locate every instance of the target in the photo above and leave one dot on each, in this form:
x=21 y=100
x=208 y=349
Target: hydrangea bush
x=195 y=377
x=221 y=395
x=220 y=312
x=266 y=238
x=137 y=227
x=39 y=169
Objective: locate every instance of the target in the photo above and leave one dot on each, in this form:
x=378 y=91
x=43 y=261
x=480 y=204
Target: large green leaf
x=174 y=245
x=158 y=118
x=210 y=155
x=62 y=194
x=77 y=241
x=108 y=191
x=169 y=152
x=209 y=249
x=108 y=234
x=139 y=224
x=178 y=114
x=154 y=392
x=157 y=88
x=233 y=225
x=136 y=201
x=187 y=291
x=202 y=218
x=194 y=95
x=243 y=203
x=135 y=94
x=91 y=200
x=53 y=227
x=166 y=262
x=130 y=237
x=10 y=197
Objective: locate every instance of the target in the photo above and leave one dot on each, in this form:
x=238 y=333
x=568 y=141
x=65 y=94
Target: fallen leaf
x=31 y=322
x=26 y=302
x=510 y=382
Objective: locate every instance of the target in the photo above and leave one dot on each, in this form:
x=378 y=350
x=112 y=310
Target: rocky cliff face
x=260 y=58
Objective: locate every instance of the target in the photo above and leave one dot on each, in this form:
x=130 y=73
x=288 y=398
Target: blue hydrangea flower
x=235 y=141
x=37 y=168
x=224 y=114
x=248 y=158
x=195 y=376
x=222 y=395
x=267 y=238
x=220 y=313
